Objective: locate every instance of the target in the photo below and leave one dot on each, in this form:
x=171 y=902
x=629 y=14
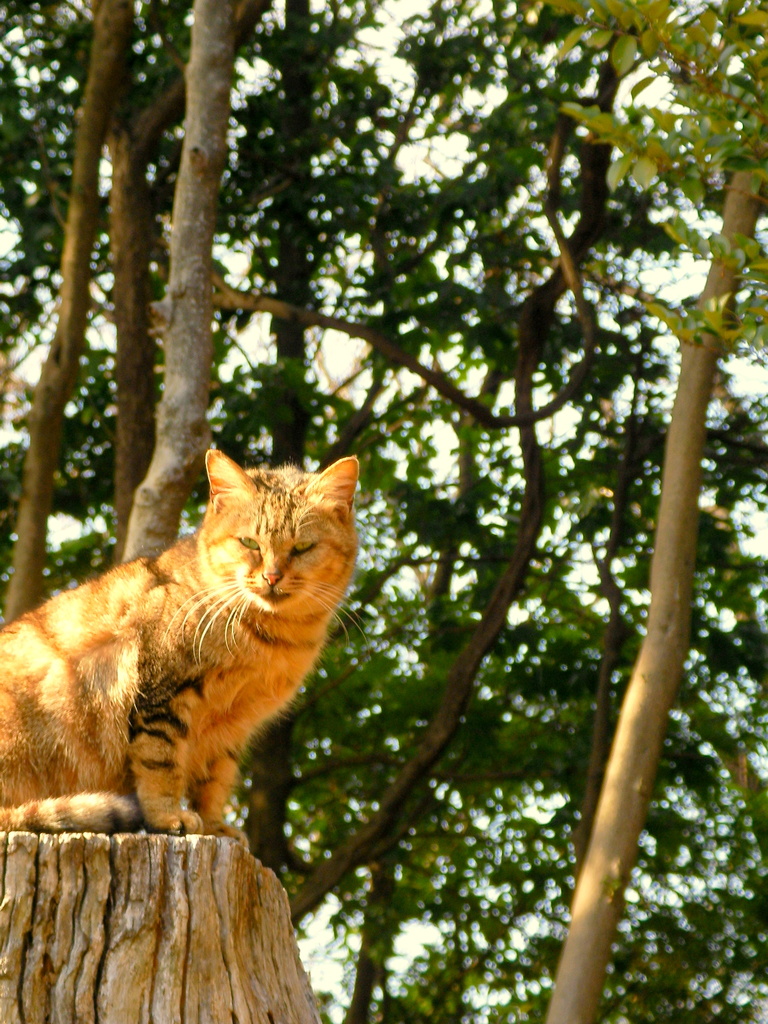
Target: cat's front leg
x=209 y=793
x=156 y=755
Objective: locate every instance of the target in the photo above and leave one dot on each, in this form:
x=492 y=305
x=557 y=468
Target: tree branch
x=458 y=689
x=536 y=314
x=355 y=424
x=227 y=297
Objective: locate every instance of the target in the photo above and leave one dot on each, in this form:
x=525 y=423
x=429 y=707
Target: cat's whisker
x=246 y=603
x=181 y=608
x=324 y=594
x=197 y=599
x=211 y=616
x=200 y=604
x=221 y=597
x=227 y=627
x=338 y=609
x=307 y=518
x=234 y=619
x=226 y=597
x=327 y=596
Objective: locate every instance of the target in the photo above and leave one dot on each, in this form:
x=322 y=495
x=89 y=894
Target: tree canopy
x=464 y=241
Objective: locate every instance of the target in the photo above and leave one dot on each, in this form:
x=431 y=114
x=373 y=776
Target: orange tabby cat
x=130 y=693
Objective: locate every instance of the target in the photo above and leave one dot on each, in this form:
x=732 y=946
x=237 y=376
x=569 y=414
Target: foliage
x=417 y=192
x=714 y=66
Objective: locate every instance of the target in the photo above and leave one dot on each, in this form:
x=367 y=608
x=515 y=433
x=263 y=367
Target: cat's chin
x=271 y=601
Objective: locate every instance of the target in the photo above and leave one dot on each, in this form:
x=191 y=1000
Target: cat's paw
x=178 y=822
x=219 y=828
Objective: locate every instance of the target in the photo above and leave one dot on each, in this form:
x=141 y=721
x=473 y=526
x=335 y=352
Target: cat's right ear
x=336 y=484
x=224 y=476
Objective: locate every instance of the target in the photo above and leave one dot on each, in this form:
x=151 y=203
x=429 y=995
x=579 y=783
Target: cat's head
x=286 y=537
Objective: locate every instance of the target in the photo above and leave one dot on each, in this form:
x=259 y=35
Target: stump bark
x=139 y=929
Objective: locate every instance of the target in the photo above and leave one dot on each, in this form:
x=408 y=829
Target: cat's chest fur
x=257 y=686
x=228 y=703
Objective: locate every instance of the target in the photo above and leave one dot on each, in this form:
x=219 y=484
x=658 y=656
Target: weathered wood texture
x=144 y=930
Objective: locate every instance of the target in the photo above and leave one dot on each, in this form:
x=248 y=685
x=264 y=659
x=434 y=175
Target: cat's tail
x=81 y=812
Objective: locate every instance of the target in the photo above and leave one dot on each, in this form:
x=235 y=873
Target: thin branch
x=156 y=23
x=384 y=825
x=572 y=277
x=537 y=314
x=227 y=297
x=361 y=761
x=752 y=445
x=355 y=424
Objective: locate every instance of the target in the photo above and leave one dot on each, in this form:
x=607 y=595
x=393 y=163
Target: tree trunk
x=631 y=770
x=375 y=945
x=133 y=144
x=271 y=775
x=138 y=929
x=131 y=235
x=113 y=21
x=186 y=312
x=293 y=272
x=616 y=633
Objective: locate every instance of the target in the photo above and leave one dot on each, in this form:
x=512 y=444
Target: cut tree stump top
x=145 y=929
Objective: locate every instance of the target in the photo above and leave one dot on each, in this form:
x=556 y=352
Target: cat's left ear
x=337 y=483
x=225 y=476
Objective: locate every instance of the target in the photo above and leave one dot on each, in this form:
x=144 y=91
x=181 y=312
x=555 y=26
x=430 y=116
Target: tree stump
x=140 y=929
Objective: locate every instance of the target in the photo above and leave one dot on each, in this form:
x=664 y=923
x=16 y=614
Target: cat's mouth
x=273 y=596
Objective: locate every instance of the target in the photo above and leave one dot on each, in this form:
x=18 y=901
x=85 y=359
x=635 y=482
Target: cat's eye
x=250 y=543
x=301 y=546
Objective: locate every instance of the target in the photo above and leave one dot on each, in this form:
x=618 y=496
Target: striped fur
x=83 y=812
x=128 y=700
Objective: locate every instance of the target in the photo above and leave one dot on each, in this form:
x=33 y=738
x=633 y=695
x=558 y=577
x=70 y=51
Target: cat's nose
x=272 y=576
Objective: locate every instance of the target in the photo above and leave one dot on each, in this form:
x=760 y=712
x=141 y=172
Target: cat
x=134 y=694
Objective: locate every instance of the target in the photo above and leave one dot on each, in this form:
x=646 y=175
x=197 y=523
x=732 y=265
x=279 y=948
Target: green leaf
x=569 y=6
x=643 y=84
x=644 y=171
x=708 y=21
x=623 y=53
x=570 y=41
x=693 y=189
x=714 y=320
x=666 y=315
x=649 y=42
x=574 y=110
x=600 y=39
x=658 y=12
x=625 y=14
x=618 y=170
x=719 y=246
x=759 y=18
